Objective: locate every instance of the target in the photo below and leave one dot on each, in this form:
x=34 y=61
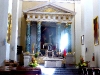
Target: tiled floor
x=69 y=70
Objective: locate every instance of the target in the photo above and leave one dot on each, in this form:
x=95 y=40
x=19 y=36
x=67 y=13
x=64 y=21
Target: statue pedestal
x=70 y=59
x=27 y=59
x=92 y=64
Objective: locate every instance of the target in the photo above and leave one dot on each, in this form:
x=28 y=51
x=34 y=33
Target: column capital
x=28 y=21
x=58 y=23
x=69 y=23
x=39 y=22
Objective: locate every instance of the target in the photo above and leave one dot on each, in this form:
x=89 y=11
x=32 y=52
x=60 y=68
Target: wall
x=89 y=10
x=87 y=31
x=10 y=7
x=3 y=30
x=96 y=12
x=82 y=28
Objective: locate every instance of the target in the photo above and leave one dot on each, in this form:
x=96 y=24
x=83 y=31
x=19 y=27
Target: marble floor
x=69 y=70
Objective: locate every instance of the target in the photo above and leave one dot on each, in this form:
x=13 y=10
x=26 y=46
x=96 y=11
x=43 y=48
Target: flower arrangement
x=33 y=62
x=81 y=63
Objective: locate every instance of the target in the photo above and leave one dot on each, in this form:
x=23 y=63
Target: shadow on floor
x=69 y=70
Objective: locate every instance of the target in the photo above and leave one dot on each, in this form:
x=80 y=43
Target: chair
x=96 y=71
x=89 y=71
x=84 y=70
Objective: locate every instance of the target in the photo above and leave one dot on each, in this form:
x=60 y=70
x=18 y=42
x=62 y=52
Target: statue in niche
x=50 y=37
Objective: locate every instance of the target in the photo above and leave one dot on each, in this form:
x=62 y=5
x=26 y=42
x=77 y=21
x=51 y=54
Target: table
x=52 y=62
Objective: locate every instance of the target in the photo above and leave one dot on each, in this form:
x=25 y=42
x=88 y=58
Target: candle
x=43 y=46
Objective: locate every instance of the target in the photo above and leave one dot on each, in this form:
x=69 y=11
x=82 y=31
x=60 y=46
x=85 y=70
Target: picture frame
x=8 y=38
x=96 y=31
x=48 y=36
x=82 y=40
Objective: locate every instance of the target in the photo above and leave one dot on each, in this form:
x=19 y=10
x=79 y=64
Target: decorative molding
x=50 y=13
x=39 y=22
x=49 y=5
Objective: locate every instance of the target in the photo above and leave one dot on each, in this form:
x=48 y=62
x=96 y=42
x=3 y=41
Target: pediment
x=49 y=8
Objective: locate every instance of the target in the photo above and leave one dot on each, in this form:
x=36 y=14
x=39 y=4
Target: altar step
x=65 y=71
x=62 y=71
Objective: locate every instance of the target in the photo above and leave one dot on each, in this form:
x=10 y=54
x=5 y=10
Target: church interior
x=60 y=36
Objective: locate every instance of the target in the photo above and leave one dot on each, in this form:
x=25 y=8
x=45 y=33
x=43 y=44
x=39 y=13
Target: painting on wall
x=96 y=31
x=82 y=40
x=9 y=27
x=48 y=35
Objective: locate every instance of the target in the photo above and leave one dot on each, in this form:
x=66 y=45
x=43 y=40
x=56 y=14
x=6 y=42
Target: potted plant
x=36 y=55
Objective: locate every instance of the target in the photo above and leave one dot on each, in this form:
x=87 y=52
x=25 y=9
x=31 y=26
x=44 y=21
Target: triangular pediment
x=49 y=8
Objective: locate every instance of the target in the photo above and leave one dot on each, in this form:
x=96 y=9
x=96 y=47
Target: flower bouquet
x=81 y=63
x=33 y=63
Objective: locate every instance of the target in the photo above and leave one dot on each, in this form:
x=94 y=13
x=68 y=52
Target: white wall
x=69 y=6
x=87 y=24
x=3 y=29
x=10 y=7
x=82 y=28
x=96 y=12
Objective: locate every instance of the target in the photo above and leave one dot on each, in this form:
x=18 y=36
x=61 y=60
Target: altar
x=52 y=62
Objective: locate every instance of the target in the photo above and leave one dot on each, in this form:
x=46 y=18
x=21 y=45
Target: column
x=68 y=30
x=58 y=35
x=69 y=36
x=28 y=37
x=38 y=36
x=28 y=44
x=3 y=30
x=14 y=30
x=19 y=22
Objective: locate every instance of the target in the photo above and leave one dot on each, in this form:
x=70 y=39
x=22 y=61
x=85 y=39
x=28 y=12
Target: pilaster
x=14 y=30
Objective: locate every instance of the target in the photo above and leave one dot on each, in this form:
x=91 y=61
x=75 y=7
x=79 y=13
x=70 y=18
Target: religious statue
x=50 y=37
